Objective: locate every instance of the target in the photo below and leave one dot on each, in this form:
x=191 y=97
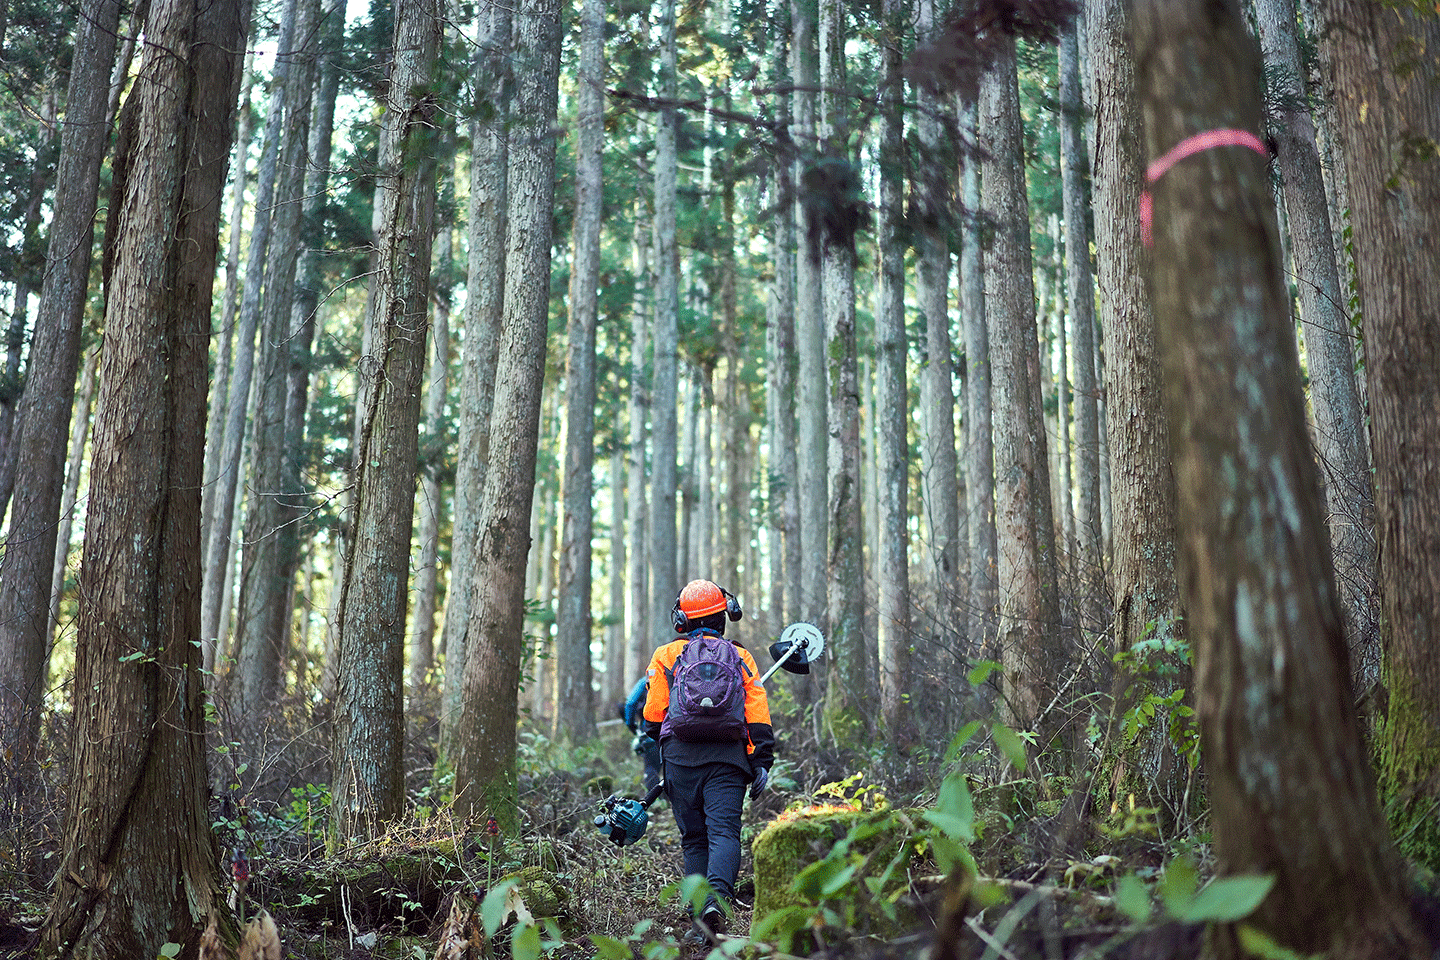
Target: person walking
x=711 y=718
x=644 y=746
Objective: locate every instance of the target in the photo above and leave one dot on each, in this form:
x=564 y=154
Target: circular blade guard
x=804 y=644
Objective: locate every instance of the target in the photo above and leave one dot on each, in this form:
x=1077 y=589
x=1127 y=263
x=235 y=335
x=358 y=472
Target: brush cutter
x=624 y=819
x=800 y=645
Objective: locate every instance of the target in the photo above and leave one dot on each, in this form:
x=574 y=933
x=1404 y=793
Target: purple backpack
x=707 y=691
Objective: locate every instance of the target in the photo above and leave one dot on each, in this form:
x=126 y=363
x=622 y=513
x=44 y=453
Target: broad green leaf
x=813 y=880
x=608 y=948
x=958 y=828
x=960 y=739
x=839 y=881
x=525 y=942
x=495 y=908
x=170 y=950
x=982 y=670
x=1262 y=946
x=955 y=798
x=1177 y=887
x=1133 y=898
x=1226 y=900
x=1010 y=744
x=949 y=854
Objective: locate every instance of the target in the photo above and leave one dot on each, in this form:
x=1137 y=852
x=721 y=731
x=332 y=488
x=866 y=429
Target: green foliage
x=859 y=881
x=1155 y=661
x=1179 y=897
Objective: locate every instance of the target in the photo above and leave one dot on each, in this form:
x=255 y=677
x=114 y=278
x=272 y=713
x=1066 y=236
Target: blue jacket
x=635 y=703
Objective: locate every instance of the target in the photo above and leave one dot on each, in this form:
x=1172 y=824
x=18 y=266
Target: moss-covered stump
x=867 y=853
x=404 y=883
x=400 y=883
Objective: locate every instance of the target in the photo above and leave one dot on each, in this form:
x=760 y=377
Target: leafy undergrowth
x=987 y=865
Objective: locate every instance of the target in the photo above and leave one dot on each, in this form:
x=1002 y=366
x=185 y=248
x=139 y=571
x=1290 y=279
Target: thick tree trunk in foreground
x=367 y=774
x=1390 y=118
x=139 y=863
x=1291 y=788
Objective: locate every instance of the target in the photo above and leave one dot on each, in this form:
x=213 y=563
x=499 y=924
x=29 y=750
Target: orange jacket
x=761 y=743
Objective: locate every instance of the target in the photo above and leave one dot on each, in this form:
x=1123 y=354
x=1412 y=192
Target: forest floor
x=1049 y=893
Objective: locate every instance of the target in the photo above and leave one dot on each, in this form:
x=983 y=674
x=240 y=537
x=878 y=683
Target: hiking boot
x=714 y=919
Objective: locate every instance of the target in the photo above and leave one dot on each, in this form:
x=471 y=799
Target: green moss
x=785 y=848
x=1409 y=775
x=542 y=893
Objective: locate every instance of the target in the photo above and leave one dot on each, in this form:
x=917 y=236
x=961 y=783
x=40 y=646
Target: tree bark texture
x=128 y=882
x=836 y=187
x=1143 y=579
x=1330 y=360
x=1029 y=638
x=486 y=215
x=892 y=553
x=573 y=619
x=664 y=384
x=1291 y=789
x=485 y=774
x=367 y=778
x=1385 y=78
x=44 y=413
x=979 y=445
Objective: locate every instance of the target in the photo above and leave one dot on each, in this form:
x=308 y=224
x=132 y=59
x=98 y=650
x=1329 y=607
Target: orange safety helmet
x=701 y=598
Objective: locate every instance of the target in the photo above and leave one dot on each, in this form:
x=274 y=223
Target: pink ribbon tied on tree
x=1185 y=148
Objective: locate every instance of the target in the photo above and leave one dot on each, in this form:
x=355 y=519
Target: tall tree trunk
x=486 y=215
x=1029 y=636
x=1081 y=298
x=573 y=619
x=74 y=466
x=663 y=391
x=809 y=329
x=979 y=450
x=1143 y=581
x=431 y=502
x=782 y=487
x=835 y=187
x=616 y=682
x=225 y=347
x=27 y=565
x=485 y=744
x=1330 y=361
x=368 y=777
x=305 y=324
x=231 y=440
x=130 y=883
x=892 y=547
x=638 y=560
x=12 y=385
x=1282 y=742
x=1390 y=122
x=262 y=633
x=937 y=392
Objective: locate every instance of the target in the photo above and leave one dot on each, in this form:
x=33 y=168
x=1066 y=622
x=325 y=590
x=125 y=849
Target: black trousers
x=707 y=801
x=651 y=758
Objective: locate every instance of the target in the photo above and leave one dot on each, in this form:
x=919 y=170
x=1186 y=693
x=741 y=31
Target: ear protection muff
x=732 y=606
x=681 y=620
